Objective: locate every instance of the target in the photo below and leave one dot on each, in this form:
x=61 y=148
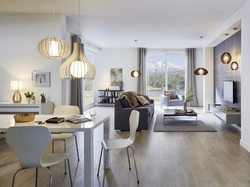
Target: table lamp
x=16 y=86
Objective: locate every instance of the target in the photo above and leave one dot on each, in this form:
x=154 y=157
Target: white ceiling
x=160 y=24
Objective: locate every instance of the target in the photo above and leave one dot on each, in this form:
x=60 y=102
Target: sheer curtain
x=77 y=85
x=142 y=84
x=190 y=76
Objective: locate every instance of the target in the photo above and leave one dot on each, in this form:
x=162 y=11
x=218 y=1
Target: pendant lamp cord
x=54 y=12
x=79 y=21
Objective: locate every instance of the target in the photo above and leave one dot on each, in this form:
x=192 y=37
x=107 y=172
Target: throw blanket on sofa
x=130 y=97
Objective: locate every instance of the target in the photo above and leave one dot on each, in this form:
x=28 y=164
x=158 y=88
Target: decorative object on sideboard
x=135 y=73
x=77 y=65
x=121 y=85
x=226 y=56
x=53 y=48
x=40 y=78
x=28 y=96
x=16 y=86
x=33 y=99
x=115 y=76
x=200 y=71
x=43 y=98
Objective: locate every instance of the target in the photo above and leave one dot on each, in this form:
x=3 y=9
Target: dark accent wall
x=224 y=72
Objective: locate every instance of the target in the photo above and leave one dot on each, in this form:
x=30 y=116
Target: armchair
x=170 y=98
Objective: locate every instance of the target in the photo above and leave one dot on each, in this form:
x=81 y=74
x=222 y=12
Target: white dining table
x=7 y=121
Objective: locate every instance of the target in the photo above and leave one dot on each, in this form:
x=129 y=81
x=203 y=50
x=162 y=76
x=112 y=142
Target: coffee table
x=172 y=112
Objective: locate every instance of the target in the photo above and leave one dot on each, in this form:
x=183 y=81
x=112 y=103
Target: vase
x=28 y=100
x=121 y=85
x=43 y=100
x=185 y=107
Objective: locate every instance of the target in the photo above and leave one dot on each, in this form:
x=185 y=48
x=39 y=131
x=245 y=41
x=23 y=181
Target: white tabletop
x=7 y=121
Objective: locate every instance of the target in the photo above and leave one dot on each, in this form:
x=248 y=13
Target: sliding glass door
x=89 y=84
x=165 y=71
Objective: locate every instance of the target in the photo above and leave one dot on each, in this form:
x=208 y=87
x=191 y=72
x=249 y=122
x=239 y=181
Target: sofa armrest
x=181 y=97
x=165 y=99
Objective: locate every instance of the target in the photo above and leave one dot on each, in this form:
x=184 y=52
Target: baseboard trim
x=245 y=145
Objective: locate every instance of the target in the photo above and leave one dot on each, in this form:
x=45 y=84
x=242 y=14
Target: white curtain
x=142 y=84
x=190 y=76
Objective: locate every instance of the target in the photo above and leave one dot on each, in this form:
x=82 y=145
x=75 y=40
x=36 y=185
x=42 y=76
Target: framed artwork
x=115 y=77
x=41 y=78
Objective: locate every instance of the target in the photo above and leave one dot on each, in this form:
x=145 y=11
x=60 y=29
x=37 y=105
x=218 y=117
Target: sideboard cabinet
x=37 y=108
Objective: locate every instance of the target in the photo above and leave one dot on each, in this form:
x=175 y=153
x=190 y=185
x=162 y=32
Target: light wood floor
x=164 y=159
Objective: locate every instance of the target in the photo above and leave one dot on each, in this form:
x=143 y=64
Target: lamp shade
x=226 y=58
x=234 y=65
x=135 y=73
x=53 y=48
x=77 y=65
x=200 y=71
x=16 y=85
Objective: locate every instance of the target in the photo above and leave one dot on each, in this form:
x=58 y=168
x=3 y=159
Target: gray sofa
x=122 y=113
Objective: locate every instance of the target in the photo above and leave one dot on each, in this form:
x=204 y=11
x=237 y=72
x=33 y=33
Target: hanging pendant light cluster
x=77 y=65
x=53 y=48
x=226 y=56
x=135 y=73
x=200 y=71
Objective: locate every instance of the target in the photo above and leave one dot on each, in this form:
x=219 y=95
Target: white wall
x=127 y=59
x=241 y=14
x=19 y=36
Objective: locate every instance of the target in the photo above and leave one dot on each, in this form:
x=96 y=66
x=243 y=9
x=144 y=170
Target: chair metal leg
x=128 y=159
x=100 y=159
x=14 y=176
x=50 y=176
x=64 y=144
x=77 y=147
x=70 y=178
x=135 y=163
x=36 y=176
x=105 y=158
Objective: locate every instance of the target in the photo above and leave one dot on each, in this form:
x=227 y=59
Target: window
x=88 y=84
x=165 y=72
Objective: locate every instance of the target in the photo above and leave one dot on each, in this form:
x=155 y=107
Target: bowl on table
x=22 y=118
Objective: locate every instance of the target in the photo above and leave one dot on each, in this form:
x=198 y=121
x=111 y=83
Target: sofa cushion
x=146 y=97
x=142 y=100
x=171 y=95
x=124 y=103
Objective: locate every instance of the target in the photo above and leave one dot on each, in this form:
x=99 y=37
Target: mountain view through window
x=162 y=69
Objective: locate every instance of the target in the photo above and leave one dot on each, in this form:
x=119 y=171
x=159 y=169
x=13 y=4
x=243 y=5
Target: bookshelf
x=108 y=97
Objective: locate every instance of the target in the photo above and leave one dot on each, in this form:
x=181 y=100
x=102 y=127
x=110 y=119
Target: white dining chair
x=65 y=110
x=30 y=142
x=115 y=144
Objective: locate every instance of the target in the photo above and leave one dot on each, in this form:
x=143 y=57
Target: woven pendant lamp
x=53 y=48
x=77 y=65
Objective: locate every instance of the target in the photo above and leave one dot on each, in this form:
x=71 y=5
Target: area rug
x=181 y=125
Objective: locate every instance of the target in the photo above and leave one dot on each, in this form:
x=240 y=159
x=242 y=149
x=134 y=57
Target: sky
x=178 y=60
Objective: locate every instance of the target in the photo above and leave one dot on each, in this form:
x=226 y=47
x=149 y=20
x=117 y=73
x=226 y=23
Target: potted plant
x=43 y=98
x=189 y=97
x=33 y=99
x=28 y=96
